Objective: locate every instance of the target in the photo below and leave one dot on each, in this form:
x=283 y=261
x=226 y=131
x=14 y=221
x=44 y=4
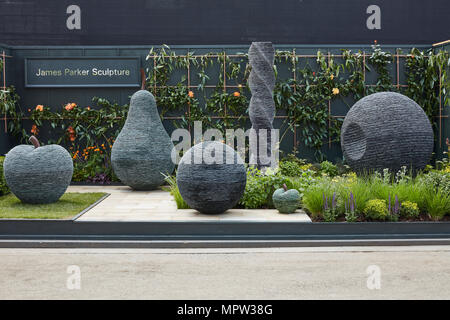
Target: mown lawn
x=68 y=206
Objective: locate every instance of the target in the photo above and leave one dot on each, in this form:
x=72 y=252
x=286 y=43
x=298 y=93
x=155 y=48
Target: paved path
x=296 y=273
x=125 y=204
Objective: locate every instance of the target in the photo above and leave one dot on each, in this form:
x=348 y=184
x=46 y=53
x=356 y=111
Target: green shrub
x=409 y=209
x=376 y=209
x=439 y=180
x=260 y=187
x=328 y=168
x=437 y=204
x=301 y=183
x=3 y=187
x=313 y=197
x=351 y=216
x=173 y=189
x=362 y=192
x=412 y=191
x=290 y=168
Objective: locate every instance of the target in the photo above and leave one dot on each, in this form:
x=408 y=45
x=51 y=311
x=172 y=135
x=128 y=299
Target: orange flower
x=335 y=91
x=34 y=129
x=72 y=135
x=29 y=110
x=39 y=107
x=191 y=94
x=70 y=106
x=88 y=108
x=236 y=94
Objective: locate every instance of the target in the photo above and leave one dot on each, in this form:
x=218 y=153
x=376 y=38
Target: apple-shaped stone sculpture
x=286 y=201
x=38 y=174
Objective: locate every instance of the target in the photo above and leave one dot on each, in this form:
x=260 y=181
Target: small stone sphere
x=211 y=177
x=38 y=175
x=386 y=130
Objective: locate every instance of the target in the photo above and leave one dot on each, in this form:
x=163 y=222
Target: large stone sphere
x=38 y=175
x=211 y=177
x=386 y=130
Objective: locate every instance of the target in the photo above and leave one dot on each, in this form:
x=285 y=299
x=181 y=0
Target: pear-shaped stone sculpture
x=141 y=153
x=38 y=174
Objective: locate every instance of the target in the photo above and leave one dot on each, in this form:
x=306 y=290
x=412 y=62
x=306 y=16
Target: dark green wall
x=57 y=97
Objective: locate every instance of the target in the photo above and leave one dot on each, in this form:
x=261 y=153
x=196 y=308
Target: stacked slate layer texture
x=262 y=106
x=386 y=130
x=211 y=177
x=141 y=153
x=38 y=175
x=286 y=201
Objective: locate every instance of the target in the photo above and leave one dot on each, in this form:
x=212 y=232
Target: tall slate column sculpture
x=262 y=106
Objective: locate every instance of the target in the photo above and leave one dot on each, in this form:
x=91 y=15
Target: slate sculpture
x=36 y=174
x=386 y=130
x=286 y=201
x=211 y=177
x=262 y=106
x=141 y=153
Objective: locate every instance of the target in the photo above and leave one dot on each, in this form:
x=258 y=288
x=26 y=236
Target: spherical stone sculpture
x=286 y=201
x=261 y=110
x=141 y=153
x=386 y=130
x=38 y=174
x=211 y=177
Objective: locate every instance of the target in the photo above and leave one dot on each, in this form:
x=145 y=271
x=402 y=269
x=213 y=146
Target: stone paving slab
x=125 y=204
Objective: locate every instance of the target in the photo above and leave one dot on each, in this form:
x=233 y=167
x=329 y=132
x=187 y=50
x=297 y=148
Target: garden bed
x=420 y=218
x=333 y=193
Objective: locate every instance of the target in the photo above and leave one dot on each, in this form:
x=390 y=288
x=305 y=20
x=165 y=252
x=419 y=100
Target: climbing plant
x=426 y=71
